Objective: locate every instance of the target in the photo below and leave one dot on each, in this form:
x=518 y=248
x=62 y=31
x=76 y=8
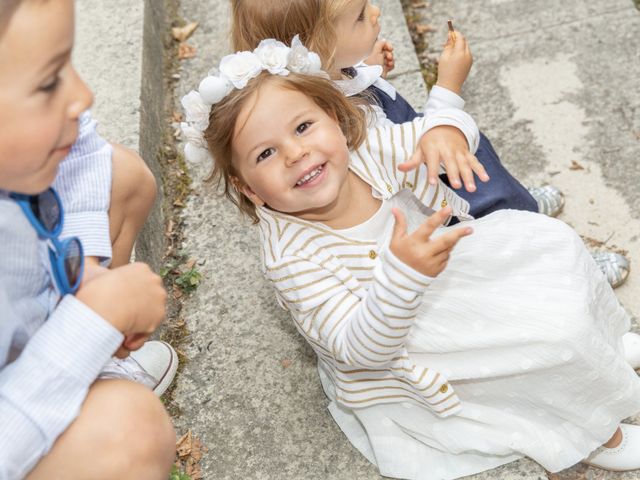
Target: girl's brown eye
x=266 y=154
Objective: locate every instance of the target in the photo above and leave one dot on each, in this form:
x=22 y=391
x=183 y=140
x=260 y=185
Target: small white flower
x=213 y=89
x=273 y=55
x=301 y=60
x=197 y=110
x=240 y=67
x=193 y=135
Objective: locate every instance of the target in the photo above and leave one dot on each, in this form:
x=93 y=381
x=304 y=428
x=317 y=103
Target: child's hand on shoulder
x=382 y=54
x=447 y=145
x=131 y=298
x=420 y=252
x=454 y=63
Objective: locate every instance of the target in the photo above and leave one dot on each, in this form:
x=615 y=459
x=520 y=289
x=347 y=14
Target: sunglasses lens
x=46 y=209
x=73 y=261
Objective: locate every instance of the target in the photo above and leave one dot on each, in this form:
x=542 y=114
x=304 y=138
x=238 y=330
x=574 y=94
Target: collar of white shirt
x=365 y=76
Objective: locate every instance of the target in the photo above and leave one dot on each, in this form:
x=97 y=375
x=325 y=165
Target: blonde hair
x=313 y=20
x=349 y=113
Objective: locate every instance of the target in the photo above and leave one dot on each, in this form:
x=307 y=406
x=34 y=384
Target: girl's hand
x=455 y=63
x=418 y=250
x=448 y=145
x=382 y=54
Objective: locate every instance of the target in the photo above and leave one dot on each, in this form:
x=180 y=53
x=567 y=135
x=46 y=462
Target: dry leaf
x=189 y=264
x=286 y=363
x=186 y=51
x=182 y=33
x=183 y=445
x=421 y=28
x=419 y=5
x=176 y=117
x=178 y=203
x=575 y=166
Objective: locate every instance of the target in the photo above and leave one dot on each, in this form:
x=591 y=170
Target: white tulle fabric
x=527 y=330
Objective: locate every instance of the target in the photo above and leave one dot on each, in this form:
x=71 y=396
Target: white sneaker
x=631 y=342
x=624 y=457
x=550 y=200
x=154 y=366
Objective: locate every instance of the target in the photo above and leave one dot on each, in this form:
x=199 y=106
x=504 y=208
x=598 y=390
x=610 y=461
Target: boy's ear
x=246 y=190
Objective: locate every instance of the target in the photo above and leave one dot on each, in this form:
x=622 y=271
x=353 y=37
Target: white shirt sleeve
x=84 y=185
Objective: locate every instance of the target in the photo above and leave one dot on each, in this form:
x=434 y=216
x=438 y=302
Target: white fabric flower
x=197 y=110
x=273 y=55
x=213 y=89
x=193 y=135
x=240 y=67
x=301 y=60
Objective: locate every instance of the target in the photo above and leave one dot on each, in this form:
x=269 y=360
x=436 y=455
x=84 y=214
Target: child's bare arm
x=420 y=252
x=454 y=63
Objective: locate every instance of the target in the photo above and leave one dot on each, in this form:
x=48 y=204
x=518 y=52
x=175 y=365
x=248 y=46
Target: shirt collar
x=363 y=76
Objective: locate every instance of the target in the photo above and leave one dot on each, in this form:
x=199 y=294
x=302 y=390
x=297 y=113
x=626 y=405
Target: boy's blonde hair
x=349 y=113
x=313 y=20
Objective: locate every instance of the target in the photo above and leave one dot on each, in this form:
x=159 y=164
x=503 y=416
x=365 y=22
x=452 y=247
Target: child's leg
x=123 y=431
x=133 y=192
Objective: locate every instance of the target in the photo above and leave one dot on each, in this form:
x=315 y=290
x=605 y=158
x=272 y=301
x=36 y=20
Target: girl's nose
x=295 y=152
x=82 y=96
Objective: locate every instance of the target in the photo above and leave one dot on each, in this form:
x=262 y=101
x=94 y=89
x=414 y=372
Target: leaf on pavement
x=182 y=33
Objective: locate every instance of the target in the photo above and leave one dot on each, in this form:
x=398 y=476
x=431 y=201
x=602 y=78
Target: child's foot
x=614 y=266
x=550 y=199
x=621 y=458
x=154 y=366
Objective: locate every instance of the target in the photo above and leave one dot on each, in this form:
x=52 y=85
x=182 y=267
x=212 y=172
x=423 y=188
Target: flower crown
x=235 y=71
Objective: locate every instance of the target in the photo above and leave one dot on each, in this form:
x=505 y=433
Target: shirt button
x=372 y=254
x=444 y=388
x=444 y=203
x=408 y=184
x=389 y=189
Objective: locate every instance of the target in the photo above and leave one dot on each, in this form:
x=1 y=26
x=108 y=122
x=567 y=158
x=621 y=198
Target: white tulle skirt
x=527 y=330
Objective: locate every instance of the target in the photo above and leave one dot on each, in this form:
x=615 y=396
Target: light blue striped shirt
x=50 y=352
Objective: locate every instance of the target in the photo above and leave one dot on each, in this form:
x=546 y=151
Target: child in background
x=343 y=33
x=444 y=354
x=57 y=420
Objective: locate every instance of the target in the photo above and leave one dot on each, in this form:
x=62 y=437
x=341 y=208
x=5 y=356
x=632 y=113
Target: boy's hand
x=418 y=250
x=382 y=54
x=448 y=145
x=131 y=298
x=454 y=63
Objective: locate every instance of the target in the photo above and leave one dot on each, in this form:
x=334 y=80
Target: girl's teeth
x=309 y=176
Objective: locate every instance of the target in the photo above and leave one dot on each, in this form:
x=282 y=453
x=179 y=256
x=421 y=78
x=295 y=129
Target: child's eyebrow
x=56 y=60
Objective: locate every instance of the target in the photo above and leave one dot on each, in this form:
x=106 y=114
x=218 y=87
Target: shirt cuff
x=446 y=96
x=92 y=228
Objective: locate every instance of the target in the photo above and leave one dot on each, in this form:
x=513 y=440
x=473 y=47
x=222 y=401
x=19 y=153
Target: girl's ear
x=244 y=189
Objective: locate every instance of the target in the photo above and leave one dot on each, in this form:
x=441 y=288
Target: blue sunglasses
x=44 y=212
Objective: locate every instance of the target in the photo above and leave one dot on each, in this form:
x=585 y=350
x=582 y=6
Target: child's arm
x=365 y=329
x=84 y=185
x=454 y=63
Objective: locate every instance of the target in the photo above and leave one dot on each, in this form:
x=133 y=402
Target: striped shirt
x=50 y=352
x=355 y=302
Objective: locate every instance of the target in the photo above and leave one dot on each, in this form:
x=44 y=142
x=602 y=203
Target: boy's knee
x=132 y=178
x=142 y=438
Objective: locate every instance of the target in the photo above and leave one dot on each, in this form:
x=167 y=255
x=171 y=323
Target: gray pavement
x=552 y=82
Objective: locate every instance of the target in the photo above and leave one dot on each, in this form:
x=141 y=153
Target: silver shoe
x=614 y=266
x=550 y=199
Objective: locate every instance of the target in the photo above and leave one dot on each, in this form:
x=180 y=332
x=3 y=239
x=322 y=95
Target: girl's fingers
x=448 y=240
x=477 y=167
x=453 y=170
x=431 y=224
x=399 y=226
x=466 y=172
x=433 y=159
